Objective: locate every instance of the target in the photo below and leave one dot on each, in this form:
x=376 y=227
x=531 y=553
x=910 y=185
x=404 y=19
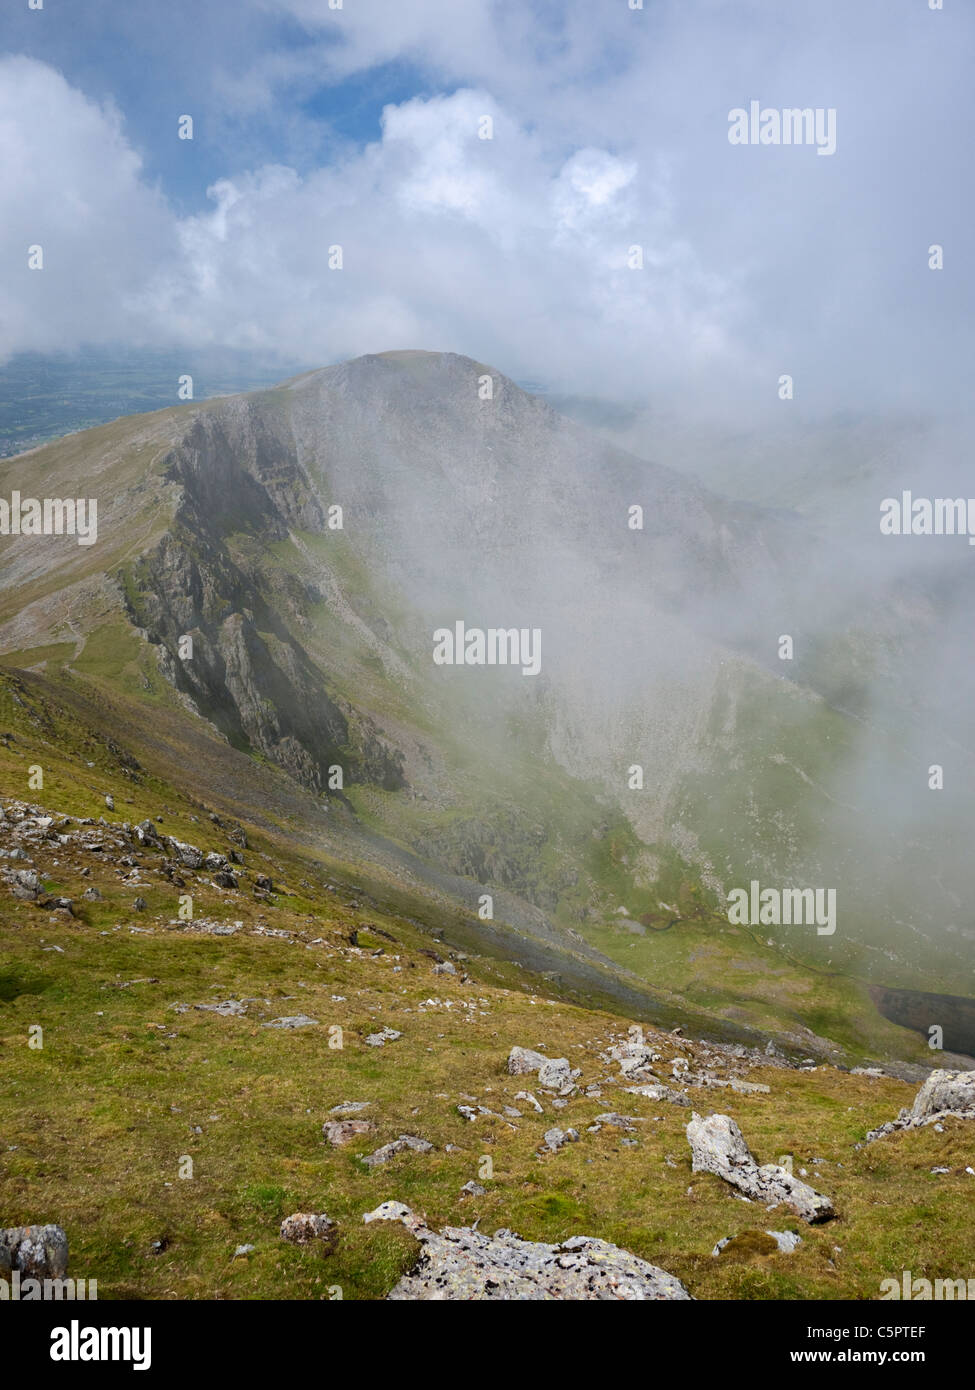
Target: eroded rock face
x=718 y=1146
x=39 y=1252
x=251 y=675
x=943 y=1093
x=463 y=1264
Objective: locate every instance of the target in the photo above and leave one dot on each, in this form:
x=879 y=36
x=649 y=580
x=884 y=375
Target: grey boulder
x=718 y=1146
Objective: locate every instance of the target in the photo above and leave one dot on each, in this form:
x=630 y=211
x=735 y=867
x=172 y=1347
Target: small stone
x=339 y=1132
x=395 y=1146
x=529 y=1099
x=389 y=1211
x=556 y=1138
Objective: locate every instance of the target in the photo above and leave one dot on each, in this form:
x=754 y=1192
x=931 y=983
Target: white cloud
x=610 y=130
x=503 y=248
x=73 y=186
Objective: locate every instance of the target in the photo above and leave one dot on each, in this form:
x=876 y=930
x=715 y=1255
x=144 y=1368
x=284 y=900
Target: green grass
x=100 y=1122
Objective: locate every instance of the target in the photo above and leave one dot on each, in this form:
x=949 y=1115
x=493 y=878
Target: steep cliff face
x=221 y=637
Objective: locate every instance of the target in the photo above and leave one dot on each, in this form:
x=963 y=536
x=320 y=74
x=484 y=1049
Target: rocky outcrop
x=718 y=1146
x=462 y=1264
x=944 y=1093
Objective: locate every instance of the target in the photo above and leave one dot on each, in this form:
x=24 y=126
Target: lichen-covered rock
x=718 y=1146
x=396 y=1146
x=634 y=1058
x=394 y=1211
x=462 y=1264
x=39 y=1252
x=304 y=1226
x=25 y=883
x=556 y=1075
x=943 y=1093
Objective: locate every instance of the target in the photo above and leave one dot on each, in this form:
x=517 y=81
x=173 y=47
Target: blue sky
x=359 y=128
x=152 y=60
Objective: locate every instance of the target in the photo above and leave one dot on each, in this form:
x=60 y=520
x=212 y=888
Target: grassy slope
x=577 y=877
x=95 y=1124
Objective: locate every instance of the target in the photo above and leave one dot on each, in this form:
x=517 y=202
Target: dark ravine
x=914 y=1009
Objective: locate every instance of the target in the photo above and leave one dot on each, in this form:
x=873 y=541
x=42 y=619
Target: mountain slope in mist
x=463 y=498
